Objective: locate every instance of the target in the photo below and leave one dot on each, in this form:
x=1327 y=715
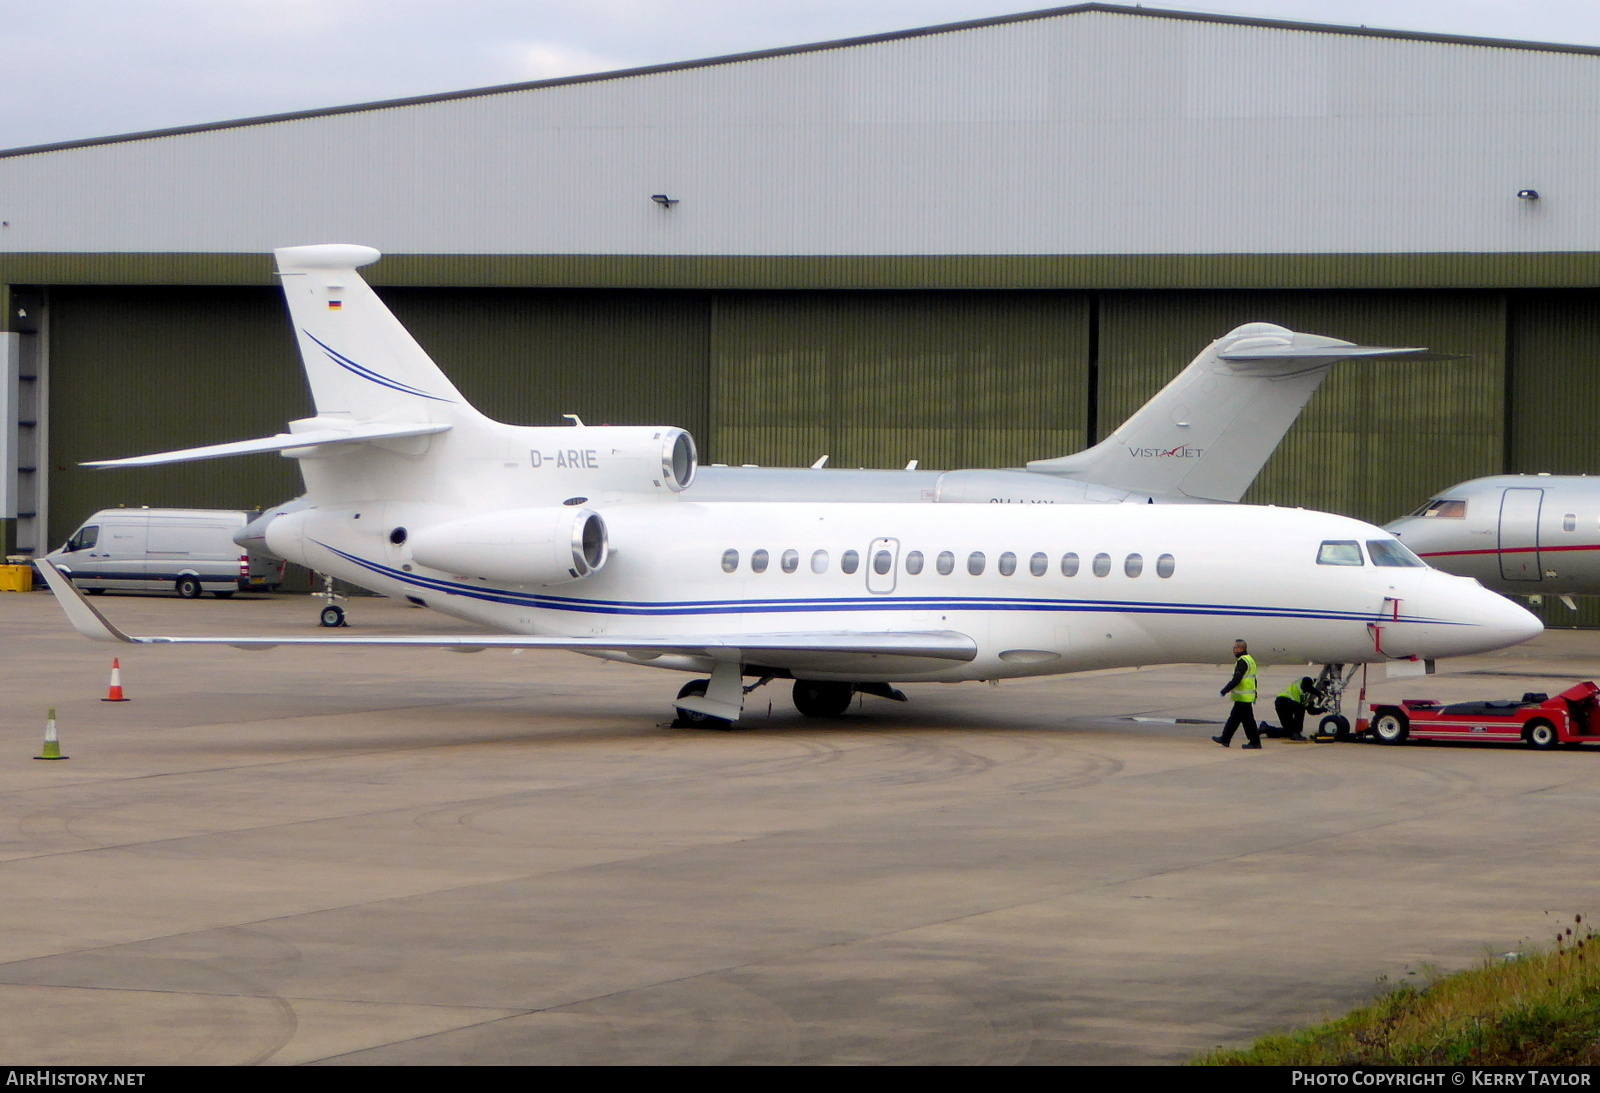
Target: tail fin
x=360 y=362
x=1208 y=433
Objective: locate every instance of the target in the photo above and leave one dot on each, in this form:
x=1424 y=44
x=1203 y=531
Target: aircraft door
x=1519 y=535
x=883 y=563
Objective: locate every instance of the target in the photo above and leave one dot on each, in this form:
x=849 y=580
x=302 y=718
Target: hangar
x=969 y=245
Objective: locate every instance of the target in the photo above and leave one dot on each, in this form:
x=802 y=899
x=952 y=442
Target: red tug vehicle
x=1538 y=720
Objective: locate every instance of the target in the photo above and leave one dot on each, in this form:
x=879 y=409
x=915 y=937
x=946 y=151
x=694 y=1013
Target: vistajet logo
x=1182 y=451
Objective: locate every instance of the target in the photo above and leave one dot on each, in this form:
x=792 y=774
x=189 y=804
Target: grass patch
x=1540 y=1008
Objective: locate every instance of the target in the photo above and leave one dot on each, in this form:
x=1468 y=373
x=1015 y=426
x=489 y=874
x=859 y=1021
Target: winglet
x=83 y=616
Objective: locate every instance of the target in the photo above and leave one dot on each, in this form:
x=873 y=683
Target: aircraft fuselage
x=1039 y=590
x=1520 y=534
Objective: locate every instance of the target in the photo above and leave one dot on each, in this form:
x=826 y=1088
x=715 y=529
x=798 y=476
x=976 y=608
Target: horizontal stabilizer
x=1338 y=352
x=341 y=434
x=927 y=644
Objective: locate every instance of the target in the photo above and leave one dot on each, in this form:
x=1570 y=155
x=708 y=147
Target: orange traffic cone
x=115 y=693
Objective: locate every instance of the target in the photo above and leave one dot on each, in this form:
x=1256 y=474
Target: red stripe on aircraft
x=1508 y=550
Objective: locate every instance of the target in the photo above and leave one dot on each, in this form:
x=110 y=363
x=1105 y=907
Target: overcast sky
x=71 y=69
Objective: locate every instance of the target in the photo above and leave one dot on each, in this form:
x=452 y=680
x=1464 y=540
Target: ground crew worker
x=1291 y=705
x=1242 y=687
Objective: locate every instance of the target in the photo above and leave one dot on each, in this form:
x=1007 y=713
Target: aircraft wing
x=354 y=434
x=807 y=646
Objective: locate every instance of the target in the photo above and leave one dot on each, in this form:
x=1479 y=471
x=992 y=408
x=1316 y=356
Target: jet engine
x=516 y=546
x=608 y=460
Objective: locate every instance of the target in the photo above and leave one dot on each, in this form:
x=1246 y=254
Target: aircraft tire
x=188 y=588
x=1334 y=725
x=332 y=615
x=691 y=719
x=1541 y=735
x=814 y=698
x=1390 y=727
x=222 y=595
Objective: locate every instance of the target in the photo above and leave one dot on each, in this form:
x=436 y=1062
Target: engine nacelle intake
x=596 y=460
x=516 y=546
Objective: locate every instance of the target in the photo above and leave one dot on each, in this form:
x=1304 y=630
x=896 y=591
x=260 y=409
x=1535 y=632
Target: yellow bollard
x=52 y=741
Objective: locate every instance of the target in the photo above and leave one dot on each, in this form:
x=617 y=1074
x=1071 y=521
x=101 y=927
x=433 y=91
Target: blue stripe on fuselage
x=873 y=603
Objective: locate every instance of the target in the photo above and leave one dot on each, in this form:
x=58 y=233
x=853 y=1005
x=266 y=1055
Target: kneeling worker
x=1292 y=704
x=1243 y=689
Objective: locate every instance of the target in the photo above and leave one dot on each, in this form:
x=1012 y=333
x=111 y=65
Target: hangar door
x=876 y=379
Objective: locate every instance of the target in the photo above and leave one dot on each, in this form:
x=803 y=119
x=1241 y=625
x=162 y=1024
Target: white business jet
x=1521 y=534
x=582 y=538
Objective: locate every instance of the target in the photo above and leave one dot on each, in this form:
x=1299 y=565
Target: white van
x=187 y=551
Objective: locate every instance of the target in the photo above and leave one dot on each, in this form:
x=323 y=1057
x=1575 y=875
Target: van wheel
x=188 y=588
x=95 y=591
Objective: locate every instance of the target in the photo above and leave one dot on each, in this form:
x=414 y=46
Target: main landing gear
x=705 y=709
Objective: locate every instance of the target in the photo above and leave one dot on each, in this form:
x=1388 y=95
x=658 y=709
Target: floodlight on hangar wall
x=1528 y=195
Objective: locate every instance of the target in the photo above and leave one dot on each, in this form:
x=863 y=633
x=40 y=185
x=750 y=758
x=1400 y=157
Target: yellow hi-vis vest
x=1246 y=690
x=1293 y=693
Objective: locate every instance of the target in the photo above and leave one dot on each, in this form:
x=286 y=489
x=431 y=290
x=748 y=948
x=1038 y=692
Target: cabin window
x=1569 y=522
x=975 y=562
x=1339 y=552
x=1008 y=564
x=1069 y=565
x=946 y=563
x=819 y=561
x=1102 y=565
x=1038 y=564
x=791 y=561
x=1133 y=565
x=730 y=561
x=881 y=561
x=849 y=561
x=1392 y=552
x=84 y=538
x=758 y=562
x=914 y=562
x=1442 y=508
x=1165 y=565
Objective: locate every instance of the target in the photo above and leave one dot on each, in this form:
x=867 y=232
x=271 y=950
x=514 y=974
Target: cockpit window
x=1339 y=552
x=1442 y=508
x=1392 y=552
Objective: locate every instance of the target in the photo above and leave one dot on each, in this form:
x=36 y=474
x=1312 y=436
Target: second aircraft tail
x=1208 y=433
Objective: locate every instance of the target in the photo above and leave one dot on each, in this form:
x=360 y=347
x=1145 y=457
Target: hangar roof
x=1089 y=131
x=810 y=47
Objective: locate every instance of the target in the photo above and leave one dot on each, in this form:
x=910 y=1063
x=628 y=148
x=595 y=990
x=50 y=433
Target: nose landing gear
x=1330 y=687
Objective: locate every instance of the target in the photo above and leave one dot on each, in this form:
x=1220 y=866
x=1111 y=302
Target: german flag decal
x=334 y=305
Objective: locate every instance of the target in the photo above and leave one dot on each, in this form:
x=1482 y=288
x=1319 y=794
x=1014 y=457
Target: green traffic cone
x=52 y=742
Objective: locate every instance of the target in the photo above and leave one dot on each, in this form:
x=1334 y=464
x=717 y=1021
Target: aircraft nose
x=1410 y=531
x=1502 y=621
